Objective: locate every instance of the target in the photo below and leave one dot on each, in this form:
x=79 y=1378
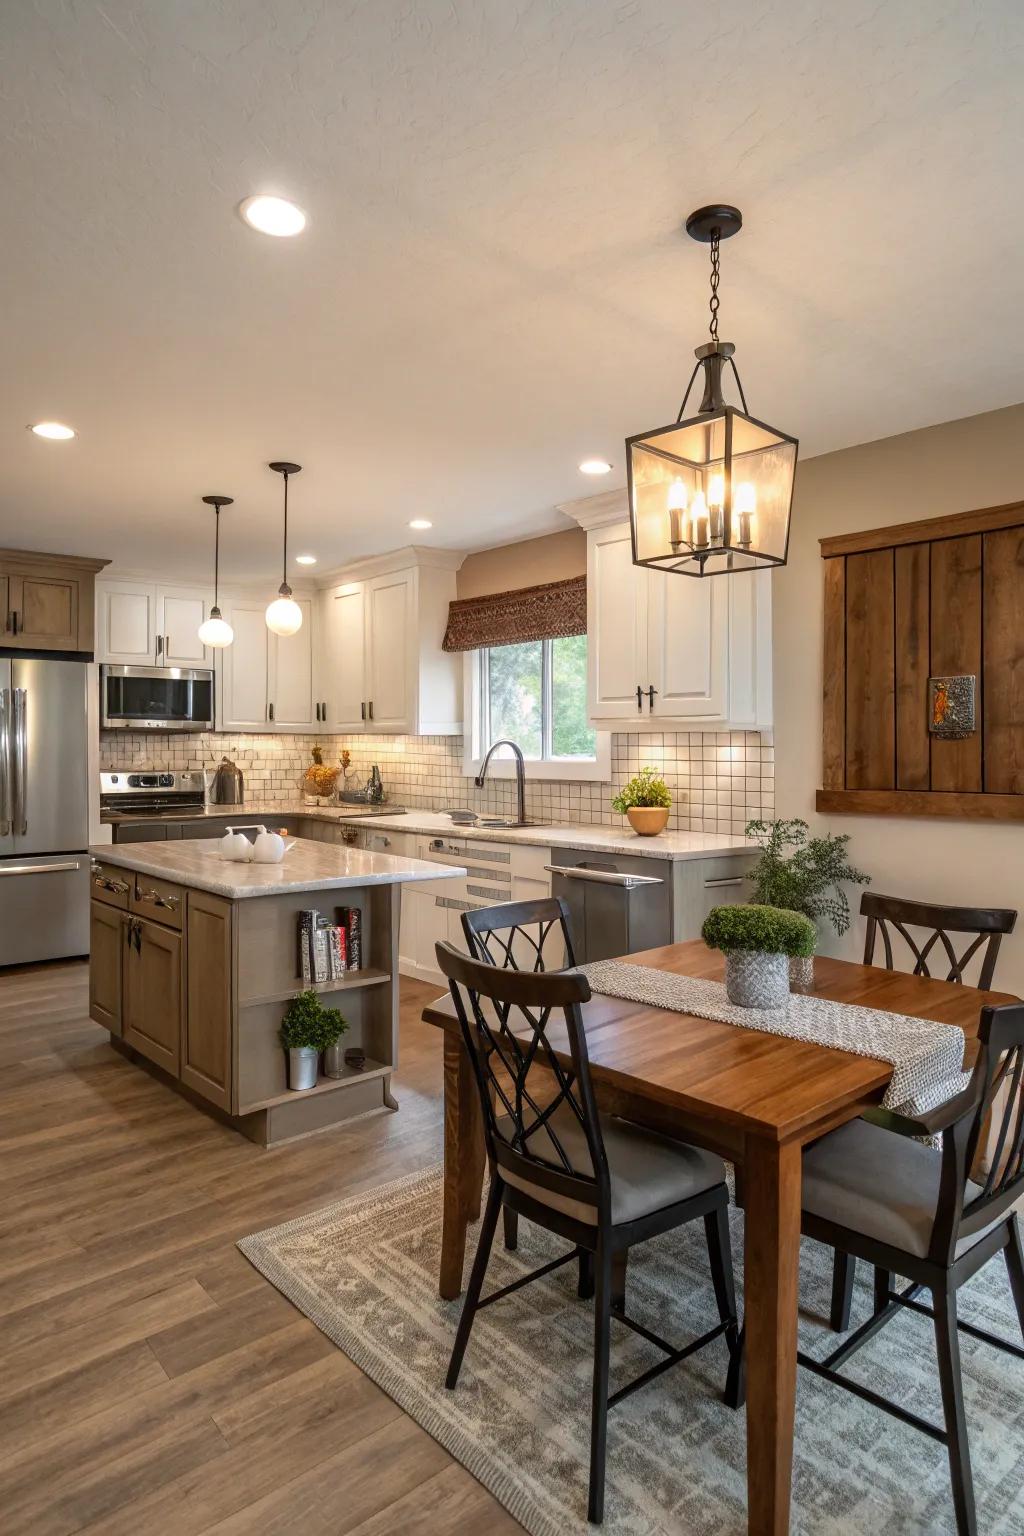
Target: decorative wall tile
x=718 y=779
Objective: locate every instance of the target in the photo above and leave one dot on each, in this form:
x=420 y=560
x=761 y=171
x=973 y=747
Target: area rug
x=365 y=1272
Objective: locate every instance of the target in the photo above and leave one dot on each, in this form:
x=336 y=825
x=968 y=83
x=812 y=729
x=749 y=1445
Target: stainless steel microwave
x=156 y=698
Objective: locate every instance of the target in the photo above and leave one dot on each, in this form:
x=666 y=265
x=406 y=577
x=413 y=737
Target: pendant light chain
x=216 y=556
x=716 y=272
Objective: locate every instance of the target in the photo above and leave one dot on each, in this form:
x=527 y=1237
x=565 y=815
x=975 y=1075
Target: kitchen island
x=194 y=961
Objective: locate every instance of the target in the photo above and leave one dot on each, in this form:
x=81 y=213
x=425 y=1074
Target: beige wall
x=555 y=557
x=977 y=462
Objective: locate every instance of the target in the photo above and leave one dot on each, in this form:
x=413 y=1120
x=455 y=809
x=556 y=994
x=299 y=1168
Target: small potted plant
x=758 y=943
x=307 y=1029
x=646 y=801
x=335 y=1025
x=810 y=880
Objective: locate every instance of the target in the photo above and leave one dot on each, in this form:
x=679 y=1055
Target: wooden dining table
x=756 y=1099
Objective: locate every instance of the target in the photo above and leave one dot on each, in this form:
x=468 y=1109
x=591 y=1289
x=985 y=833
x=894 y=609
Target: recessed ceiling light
x=595 y=467
x=305 y=559
x=421 y=522
x=53 y=429
x=273 y=215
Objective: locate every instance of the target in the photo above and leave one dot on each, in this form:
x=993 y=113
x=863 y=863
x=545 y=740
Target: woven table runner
x=927 y=1058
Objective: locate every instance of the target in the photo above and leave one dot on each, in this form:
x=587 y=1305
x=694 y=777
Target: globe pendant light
x=284 y=616
x=215 y=631
x=711 y=494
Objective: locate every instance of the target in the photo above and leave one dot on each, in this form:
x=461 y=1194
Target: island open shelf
x=194 y=962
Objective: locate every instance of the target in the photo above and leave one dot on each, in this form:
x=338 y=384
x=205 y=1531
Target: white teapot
x=235 y=847
x=269 y=847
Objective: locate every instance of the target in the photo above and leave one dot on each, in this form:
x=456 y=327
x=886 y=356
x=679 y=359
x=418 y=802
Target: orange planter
x=648 y=820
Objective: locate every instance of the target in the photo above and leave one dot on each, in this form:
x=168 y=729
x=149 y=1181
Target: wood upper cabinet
x=146 y=624
x=152 y=993
x=46 y=601
x=108 y=929
x=206 y=1027
x=680 y=650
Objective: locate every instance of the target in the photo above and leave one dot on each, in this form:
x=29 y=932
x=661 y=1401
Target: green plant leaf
x=762 y=929
x=646 y=788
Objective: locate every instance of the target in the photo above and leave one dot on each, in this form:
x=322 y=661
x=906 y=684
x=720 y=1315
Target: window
x=535 y=694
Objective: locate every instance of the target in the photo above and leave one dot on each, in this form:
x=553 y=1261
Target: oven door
x=156 y=698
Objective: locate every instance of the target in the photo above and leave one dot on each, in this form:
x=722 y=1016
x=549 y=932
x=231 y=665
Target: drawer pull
x=117 y=887
x=172 y=903
x=718 y=885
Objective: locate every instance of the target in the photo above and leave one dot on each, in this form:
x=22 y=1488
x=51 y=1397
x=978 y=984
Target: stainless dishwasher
x=616 y=906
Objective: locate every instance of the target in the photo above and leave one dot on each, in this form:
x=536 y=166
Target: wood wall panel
x=1003 y=624
x=956 y=648
x=870 y=672
x=833 y=698
x=913 y=743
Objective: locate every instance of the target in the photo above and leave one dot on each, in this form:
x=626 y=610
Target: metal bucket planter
x=303 y=1067
x=756 y=980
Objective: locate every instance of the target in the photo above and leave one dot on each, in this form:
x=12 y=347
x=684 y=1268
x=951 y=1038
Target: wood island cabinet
x=152 y=993
x=107 y=930
x=206 y=1025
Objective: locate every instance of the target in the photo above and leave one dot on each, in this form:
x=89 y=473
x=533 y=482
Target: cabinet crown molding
x=33 y=557
x=418 y=555
x=598 y=511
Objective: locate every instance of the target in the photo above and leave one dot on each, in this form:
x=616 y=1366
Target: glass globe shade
x=216 y=632
x=284 y=616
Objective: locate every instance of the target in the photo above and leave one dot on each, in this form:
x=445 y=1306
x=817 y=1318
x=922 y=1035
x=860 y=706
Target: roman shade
x=548 y=612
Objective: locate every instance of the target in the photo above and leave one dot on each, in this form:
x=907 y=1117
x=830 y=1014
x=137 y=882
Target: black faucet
x=520 y=776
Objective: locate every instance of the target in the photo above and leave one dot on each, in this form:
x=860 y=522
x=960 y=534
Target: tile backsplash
x=718 y=779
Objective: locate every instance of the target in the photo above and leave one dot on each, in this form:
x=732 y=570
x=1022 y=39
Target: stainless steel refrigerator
x=44 y=810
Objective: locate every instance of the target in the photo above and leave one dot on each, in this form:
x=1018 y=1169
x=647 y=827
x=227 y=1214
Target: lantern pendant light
x=711 y=493
x=215 y=631
x=284 y=616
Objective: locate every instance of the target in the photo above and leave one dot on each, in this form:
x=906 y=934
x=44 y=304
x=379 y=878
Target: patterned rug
x=365 y=1271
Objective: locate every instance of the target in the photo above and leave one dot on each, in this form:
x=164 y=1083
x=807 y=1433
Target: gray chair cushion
x=647 y=1171
x=881 y=1185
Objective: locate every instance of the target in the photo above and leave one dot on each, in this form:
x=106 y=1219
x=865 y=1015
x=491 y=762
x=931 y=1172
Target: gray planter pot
x=303 y=1065
x=801 y=971
x=334 y=1060
x=756 y=980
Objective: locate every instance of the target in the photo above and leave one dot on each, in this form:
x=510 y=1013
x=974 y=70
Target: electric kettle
x=228 y=785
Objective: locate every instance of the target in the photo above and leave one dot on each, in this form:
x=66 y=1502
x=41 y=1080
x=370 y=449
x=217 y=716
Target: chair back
x=521 y=935
x=986 y=924
x=508 y=1017
x=997 y=1114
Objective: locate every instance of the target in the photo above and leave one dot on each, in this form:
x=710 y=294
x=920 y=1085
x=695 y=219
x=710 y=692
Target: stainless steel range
x=132 y=795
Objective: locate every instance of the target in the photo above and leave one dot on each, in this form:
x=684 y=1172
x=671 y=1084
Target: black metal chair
x=526 y=935
x=913 y=1212
x=602 y=1183
x=521 y=931
x=986 y=925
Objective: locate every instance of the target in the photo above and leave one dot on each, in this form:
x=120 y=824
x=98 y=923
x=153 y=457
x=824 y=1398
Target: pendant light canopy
x=215 y=631
x=712 y=493
x=284 y=616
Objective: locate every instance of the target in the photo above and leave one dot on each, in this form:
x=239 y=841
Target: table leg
x=463 y=1161
x=771 y=1269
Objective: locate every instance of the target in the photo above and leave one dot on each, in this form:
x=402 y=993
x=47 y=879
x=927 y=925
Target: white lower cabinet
x=682 y=651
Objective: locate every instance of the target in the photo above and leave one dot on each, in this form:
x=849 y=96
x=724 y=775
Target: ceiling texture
x=493 y=283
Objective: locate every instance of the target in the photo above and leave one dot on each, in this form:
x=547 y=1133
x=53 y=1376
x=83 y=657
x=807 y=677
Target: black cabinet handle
x=370 y=706
x=639 y=700
x=318 y=711
x=650 y=699
x=159 y=646
x=270 y=711
x=14 y=622
x=362 y=711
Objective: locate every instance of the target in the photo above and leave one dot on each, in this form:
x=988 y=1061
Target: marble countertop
x=307 y=866
x=589 y=839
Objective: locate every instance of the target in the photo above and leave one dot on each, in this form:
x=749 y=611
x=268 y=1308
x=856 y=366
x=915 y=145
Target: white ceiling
x=493 y=283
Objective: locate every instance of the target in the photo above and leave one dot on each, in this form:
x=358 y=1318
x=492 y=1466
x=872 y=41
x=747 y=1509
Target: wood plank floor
x=150 y=1379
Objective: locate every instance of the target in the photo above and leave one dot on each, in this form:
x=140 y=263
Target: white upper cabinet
x=379 y=659
x=144 y=624
x=680 y=650
x=266 y=680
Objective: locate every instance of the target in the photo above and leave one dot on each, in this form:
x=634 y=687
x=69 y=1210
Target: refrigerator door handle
x=39 y=869
x=6 y=808
x=20 y=761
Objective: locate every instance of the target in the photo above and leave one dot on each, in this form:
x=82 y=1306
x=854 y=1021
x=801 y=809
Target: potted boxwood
x=758 y=943
x=645 y=800
x=307 y=1029
x=810 y=880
